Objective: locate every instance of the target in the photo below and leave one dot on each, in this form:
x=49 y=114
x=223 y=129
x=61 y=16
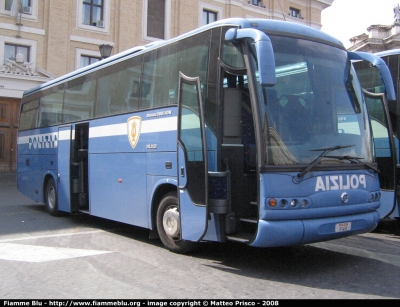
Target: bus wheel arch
x=168 y=225
x=158 y=194
x=50 y=196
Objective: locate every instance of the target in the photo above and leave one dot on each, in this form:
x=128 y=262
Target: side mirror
x=264 y=50
x=382 y=67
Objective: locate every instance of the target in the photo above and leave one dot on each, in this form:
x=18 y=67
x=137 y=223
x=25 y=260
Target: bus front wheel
x=51 y=198
x=168 y=226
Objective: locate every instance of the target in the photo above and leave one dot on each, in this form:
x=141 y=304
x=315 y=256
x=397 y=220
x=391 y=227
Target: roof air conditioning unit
x=27 y=10
x=100 y=23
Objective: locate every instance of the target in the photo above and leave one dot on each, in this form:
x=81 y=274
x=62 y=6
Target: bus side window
x=133 y=97
x=50 y=111
x=146 y=98
x=173 y=94
x=28 y=118
x=79 y=98
x=120 y=90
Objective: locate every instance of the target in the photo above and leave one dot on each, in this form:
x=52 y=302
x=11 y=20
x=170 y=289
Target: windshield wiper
x=319 y=158
x=354 y=160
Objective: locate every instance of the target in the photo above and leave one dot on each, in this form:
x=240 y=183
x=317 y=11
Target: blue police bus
x=236 y=131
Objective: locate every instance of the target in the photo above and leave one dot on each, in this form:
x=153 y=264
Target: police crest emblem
x=134 y=126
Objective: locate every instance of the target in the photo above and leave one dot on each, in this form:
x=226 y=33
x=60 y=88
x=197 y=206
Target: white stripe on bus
x=148 y=126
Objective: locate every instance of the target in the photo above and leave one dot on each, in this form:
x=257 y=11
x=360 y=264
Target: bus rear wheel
x=168 y=226
x=51 y=198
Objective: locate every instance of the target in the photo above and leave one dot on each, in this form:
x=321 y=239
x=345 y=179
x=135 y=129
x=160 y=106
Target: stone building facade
x=379 y=37
x=44 y=39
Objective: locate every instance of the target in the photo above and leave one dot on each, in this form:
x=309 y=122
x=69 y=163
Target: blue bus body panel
x=28 y=178
x=37 y=156
x=118 y=188
x=319 y=220
x=117 y=173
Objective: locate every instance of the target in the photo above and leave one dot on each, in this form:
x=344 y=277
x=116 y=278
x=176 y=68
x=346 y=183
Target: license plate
x=339 y=227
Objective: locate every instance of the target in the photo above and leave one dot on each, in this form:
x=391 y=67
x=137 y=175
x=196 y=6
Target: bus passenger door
x=63 y=180
x=192 y=160
x=378 y=88
x=385 y=151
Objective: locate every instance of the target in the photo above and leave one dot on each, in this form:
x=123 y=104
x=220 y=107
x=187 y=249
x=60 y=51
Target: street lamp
x=105 y=50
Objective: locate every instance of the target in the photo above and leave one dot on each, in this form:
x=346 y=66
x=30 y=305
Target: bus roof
x=387 y=52
x=269 y=26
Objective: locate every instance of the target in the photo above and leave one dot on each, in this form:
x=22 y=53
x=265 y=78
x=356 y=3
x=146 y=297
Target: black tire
x=168 y=226
x=51 y=198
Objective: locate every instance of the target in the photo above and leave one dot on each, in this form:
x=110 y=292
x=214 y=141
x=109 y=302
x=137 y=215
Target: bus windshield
x=315 y=104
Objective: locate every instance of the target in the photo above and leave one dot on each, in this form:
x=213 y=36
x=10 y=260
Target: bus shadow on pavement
x=317 y=265
x=388 y=226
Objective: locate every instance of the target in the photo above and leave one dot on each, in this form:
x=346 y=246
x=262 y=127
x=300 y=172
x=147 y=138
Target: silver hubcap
x=171 y=222
x=51 y=198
